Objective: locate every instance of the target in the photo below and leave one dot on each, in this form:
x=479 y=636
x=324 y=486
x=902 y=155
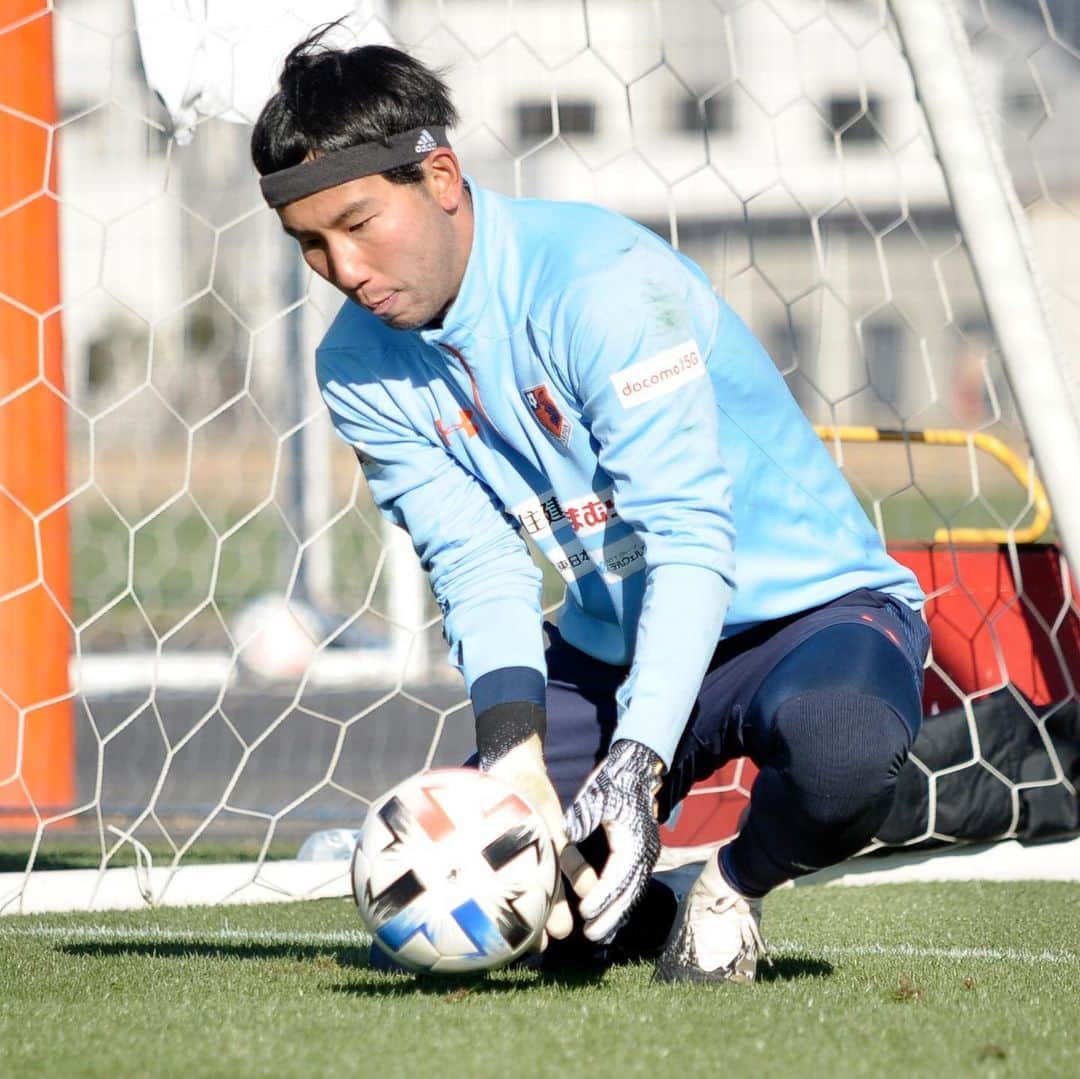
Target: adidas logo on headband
x=426 y=143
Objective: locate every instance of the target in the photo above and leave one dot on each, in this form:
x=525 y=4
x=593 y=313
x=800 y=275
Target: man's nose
x=348 y=269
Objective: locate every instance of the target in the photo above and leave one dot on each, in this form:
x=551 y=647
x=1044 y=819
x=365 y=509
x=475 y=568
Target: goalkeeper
x=518 y=368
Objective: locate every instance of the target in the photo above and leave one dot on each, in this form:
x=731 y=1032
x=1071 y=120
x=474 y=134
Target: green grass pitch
x=939 y=980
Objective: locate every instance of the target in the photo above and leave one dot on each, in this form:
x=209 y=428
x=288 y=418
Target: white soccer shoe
x=716 y=936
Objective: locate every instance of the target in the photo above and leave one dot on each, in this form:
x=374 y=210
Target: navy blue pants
x=826 y=703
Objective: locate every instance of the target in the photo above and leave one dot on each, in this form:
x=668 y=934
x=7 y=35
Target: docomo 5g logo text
x=657 y=378
x=660 y=374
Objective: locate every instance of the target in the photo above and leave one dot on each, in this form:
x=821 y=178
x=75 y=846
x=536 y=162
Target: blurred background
x=776 y=142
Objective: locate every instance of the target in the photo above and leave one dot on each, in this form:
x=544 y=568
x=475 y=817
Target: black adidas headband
x=340 y=166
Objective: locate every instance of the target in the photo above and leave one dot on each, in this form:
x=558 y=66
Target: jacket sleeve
x=484 y=580
x=639 y=337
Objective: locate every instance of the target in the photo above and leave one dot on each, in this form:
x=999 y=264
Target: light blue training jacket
x=589 y=390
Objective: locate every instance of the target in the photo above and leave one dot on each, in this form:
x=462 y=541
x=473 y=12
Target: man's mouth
x=383 y=305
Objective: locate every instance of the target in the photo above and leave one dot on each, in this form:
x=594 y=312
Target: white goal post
x=998 y=239
x=209 y=640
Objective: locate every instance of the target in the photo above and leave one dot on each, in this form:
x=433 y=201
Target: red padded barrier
x=994 y=618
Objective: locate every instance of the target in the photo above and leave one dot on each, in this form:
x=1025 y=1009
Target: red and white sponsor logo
x=659 y=375
x=593 y=512
x=585 y=515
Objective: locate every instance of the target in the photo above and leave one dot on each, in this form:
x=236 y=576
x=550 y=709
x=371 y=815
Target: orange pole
x=37 y=742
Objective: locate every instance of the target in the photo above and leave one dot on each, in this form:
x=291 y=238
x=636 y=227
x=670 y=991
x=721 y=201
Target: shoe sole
x=673 y=974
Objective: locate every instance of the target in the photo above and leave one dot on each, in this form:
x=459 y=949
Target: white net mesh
x=252 y=654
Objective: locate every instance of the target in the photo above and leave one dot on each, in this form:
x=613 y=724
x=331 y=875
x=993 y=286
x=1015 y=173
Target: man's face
x=397 y=249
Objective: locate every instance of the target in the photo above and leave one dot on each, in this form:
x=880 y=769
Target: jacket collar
x=465 y=313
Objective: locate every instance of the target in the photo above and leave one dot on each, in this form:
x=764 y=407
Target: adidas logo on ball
x=426 y=143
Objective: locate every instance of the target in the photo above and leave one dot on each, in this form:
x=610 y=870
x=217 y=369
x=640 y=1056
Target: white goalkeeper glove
x=522 y=768
x=620 y=796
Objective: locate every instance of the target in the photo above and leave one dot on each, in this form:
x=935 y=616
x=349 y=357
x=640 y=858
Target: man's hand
x=620 y=795
x=523 y=769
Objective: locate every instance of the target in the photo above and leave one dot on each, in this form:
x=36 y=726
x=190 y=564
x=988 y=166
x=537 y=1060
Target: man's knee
x=840 y=752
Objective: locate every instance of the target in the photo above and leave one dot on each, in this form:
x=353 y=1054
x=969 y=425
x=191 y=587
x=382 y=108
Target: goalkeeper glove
x=522 y=768
x=619 y=795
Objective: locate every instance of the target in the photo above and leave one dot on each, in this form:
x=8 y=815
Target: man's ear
x=444 y=179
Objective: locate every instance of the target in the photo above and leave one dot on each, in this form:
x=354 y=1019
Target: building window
x=883 y=346
x=854 y=123
x=791 y=345
x=974 y=395
x=575 y=118
x=716 y=113
x=1024 y=106
x=788 y=344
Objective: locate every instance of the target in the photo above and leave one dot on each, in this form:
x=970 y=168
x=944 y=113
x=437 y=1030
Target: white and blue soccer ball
x=454 y=872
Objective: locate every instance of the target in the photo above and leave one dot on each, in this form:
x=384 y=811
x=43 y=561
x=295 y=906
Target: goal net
x=209 y=641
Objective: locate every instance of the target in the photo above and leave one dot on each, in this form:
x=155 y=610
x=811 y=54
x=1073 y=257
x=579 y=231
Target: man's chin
x=403 y=322
x=396 y=320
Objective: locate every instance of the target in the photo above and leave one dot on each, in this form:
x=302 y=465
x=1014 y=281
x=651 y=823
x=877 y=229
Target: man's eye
x=358 y=225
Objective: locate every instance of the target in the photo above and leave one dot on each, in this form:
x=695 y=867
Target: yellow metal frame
x=952 y=437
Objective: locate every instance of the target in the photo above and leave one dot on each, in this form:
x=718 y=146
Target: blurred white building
x=777 y=142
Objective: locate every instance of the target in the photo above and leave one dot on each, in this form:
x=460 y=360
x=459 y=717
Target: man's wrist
x=639 y=739
x=637 y=756
x=506 y=725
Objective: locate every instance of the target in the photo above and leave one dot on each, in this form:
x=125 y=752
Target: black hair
x=328 y=99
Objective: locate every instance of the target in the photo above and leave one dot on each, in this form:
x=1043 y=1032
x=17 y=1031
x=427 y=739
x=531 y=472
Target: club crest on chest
x=548 y=414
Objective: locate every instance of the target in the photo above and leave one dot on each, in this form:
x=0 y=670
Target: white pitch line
x=911 y=951
x=356 y=938
x=347 y=937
